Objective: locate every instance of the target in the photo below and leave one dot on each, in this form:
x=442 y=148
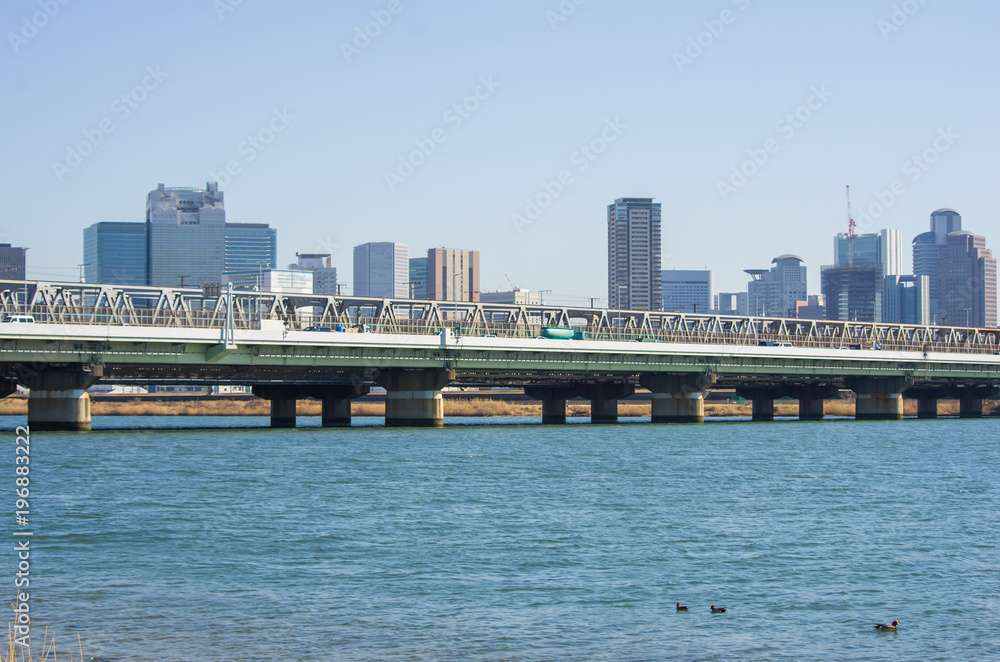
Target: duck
x=718 y=610
x=886 y=626
x=681 y=607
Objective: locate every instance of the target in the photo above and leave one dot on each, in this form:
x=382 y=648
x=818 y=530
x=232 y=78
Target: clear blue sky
x=224 y=67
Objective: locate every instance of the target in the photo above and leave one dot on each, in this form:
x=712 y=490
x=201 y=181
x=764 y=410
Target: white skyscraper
x=381 y=269
x=634 y=254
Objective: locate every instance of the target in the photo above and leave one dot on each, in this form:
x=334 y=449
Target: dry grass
x=14 y=652
x=18 y=406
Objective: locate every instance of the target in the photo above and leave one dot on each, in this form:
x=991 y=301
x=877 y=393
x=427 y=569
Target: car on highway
x=17 y=319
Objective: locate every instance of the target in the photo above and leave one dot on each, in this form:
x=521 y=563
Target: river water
x=497 y=540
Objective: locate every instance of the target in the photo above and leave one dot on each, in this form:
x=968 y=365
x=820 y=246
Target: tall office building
x=186 y=236
x=452 y=274
x=928 y=249
x=324 y=274
x=250 y=248
x=968 y=282
x=906 y=300
x=686 y=291
x=775 y=292
x=852 y=293
x=115 y=253
x=418 y=277
x=13 y=262
x=884 y=248
x=381 y=269
x=634 y=254
x=189 y=240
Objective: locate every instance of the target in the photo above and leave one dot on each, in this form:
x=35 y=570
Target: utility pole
x=541 y=296
x=182 y=279
x=82 y=267
x=593 y=300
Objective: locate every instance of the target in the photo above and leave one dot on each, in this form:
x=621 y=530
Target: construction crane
x=851 y=230
x=512 y=285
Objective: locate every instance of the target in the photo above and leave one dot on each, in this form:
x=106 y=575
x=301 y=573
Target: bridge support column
x=59 y=400
x=927 y=407
x=878 y=399
x=413 y=397
x=971 y=399
x=284 y=401
x=604 y=400
x=337 y=403
x=762 y=400
x=554 y=400
x=678 y=398
x=811 y=400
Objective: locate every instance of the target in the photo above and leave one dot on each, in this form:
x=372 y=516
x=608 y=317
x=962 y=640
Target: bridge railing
x=212 y=308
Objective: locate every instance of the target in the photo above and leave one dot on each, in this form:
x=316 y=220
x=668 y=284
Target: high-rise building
x=452 y=274
x=418 y=277
x=13 y=262
x=927 y=253
x=188 y=239
x=250 y=248
x=186 y=236
x=381 y=269
x=686 y=291
x=634 y=254
x=115 y=253
x=323 y=272
x=774 y=292
x=884 y=248
x=906 y=300
x=968 y=282
x=852 y=293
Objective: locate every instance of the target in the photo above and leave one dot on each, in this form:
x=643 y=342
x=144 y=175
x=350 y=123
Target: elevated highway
x=82 y=334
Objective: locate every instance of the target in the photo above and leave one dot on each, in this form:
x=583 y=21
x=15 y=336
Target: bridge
x=280 y=345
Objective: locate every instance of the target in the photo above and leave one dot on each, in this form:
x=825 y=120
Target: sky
x=505 y=127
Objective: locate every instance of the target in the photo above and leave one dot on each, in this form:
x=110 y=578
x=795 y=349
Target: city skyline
x=779 y=107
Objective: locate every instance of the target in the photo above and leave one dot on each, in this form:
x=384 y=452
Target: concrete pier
x=811 y=400
x=554 y=399
x=761 y=400
x=971 y=399
x=604 y=399
x=927 y=407
x=678 y=398
x=878 y=399
x=413 y=397
x=58 y=399
x=337 y=403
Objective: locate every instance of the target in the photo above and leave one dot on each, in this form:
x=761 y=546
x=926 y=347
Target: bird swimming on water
x=886 y=626
x=681 y=607
x=718 y=610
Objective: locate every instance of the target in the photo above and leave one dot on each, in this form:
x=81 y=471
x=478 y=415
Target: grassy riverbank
x=481 y=407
